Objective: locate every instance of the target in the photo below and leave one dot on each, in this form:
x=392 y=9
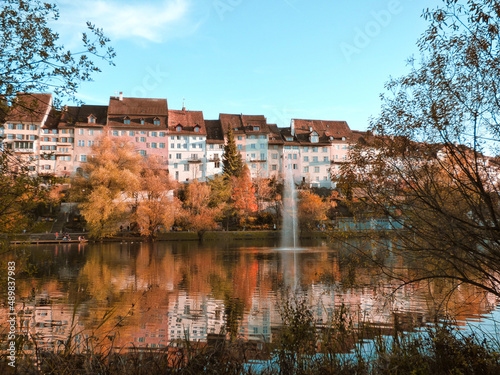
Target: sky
x=284 y=59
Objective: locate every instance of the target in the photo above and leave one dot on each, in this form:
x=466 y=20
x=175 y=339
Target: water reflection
x=139 y=294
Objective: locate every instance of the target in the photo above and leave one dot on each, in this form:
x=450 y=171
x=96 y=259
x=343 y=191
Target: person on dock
x=57 y=235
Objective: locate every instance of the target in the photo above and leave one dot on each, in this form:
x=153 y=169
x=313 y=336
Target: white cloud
x=153 y=20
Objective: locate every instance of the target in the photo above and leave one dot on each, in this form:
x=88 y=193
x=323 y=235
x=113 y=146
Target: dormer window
x=156 y=121
x=256 y=128
x=126 y=120
x=143 y=121
x=197 y=129
x=178 y=128
x=289 y=139
x=314 y=137
x=91 y=119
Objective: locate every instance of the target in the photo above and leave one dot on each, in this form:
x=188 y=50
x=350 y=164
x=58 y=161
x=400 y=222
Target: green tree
x=33 y=60
x=110 y=178
x=427 y=168
x=232 y=163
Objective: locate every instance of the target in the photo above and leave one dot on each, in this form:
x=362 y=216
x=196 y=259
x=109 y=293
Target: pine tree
x=232 y=163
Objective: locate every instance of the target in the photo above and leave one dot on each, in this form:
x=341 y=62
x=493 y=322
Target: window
x=156 y=121
x=126 y=121
x=295 y=156
x=115 y=132
x=80 y=131
x=325 y=149
x=142 y=139
x=178 y=156
x=83 y=157
x=197 y=129
x=315 y=149
x=315 y=159
x=10 y=126
x=262 y=146
x=325 y=158
x=33 y=127
x=239 y=147
x=306 y=169
x=122 y=133
x=274 y=156
x=142 y=152
x=274 y=167
x=19 y=136
x=256 y=128
x=253 y=146
x=306 y=158
x=295 y=166
x=162 y=134
x=19 y=127
x=239 y=138
x=217 y=164
x=316 y=169
x=142 y=121
x=186 y=167
x=154 y=134
x=91 y=119
x=178 y=128
x=91 y=131
x=131 y=133
x=154 y=145
x=162 y=145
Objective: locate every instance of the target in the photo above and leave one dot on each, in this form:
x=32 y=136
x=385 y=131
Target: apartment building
x=31 y=133
x=190 y=147
x=187 y=136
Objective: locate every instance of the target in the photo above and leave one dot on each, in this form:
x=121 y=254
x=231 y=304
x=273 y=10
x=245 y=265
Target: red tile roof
x=327 y=131
x=188 y=120
x=30 y=108
x=244 y=123
x=79 y=116
x=137 y=110
x=214 y=131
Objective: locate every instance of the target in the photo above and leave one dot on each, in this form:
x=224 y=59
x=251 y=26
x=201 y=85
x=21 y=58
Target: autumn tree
x=243 y=196
x=156 y=204
x=199 y=215
x=427 y=166
x=20 y=193
x=110 y=178
x=311 y=209
x=232 y=163
x=33 y=60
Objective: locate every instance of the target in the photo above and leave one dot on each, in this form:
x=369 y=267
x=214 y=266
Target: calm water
x=138 y=294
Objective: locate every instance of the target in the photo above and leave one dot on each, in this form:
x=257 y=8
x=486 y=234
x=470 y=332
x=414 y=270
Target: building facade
x=190 y=147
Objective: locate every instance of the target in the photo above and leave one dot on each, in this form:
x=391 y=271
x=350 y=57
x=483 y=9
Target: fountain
x=289 y=230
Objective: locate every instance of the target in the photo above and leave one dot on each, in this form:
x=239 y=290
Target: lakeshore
x=49 y=238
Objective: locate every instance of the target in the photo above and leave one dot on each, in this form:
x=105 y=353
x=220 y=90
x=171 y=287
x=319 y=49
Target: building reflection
x=148 y=296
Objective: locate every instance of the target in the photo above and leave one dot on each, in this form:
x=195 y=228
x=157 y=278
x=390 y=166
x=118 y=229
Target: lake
x=135 y=294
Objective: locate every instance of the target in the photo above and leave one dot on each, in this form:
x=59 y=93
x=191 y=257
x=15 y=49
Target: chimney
x=121 y=96
x=292 y=127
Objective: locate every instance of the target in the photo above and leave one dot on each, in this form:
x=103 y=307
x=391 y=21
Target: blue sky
x=327 y=59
